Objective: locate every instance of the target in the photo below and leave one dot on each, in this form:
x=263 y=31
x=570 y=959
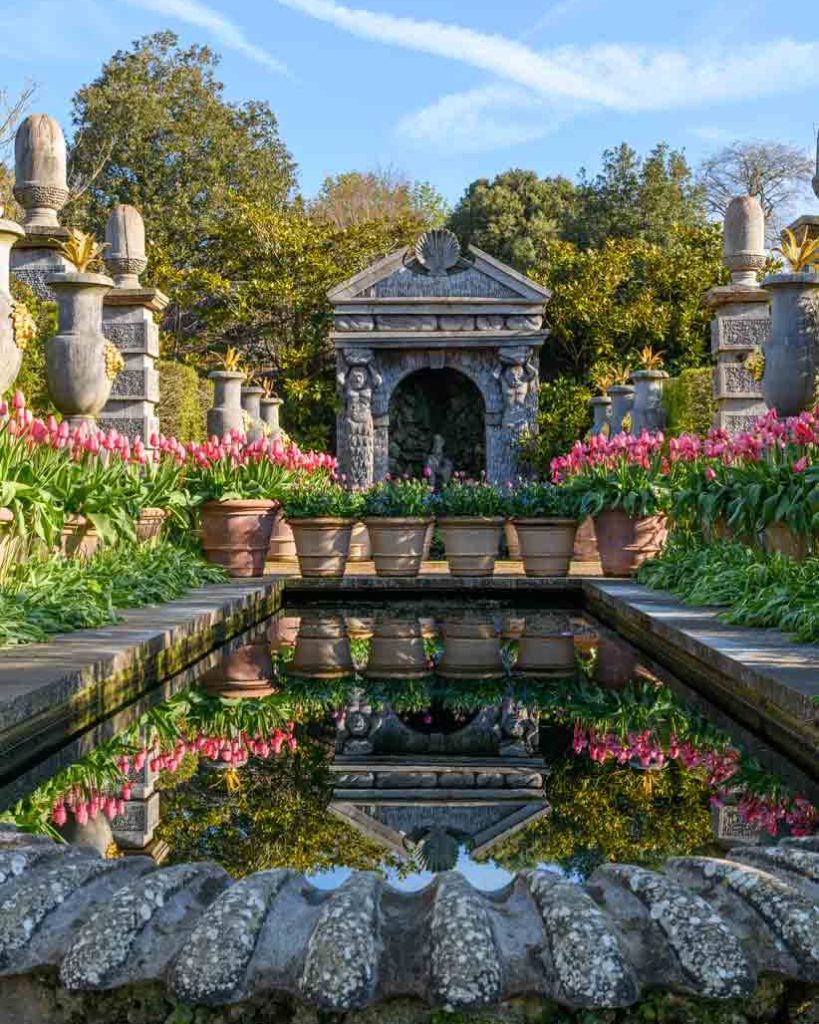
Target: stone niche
x=434 y=343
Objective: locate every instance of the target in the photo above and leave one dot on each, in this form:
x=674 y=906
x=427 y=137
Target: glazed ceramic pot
x=227 y=413
x=512 y=543
x=648 y=413
x=585 y=543
x=397 y=650
x=11 y=353
x=322 y=649
x=236 y=535
x=790 y=352
x=397 y=544
x=78 y=538
x=150 y=523
x=781 y=539
x=625 y=542
x=282 y=542
x=359 y=544
x=471 y=544
x=322 y=545
x=245 y=672
x=471 y=650
x=546 y=545
x=79 y=381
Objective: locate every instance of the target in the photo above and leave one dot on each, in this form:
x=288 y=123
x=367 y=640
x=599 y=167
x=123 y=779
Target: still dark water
x=416 y=738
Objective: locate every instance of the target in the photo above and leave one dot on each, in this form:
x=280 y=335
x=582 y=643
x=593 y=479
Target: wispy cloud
x=623 y=78
x=226 y=32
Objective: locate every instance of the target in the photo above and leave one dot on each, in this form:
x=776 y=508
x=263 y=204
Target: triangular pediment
x=475 y=275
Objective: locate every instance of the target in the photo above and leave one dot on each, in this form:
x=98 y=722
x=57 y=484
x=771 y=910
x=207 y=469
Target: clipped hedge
x=183 y=401
x=689 y=402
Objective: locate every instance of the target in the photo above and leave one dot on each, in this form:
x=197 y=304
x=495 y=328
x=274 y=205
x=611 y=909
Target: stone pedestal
x=36 y=257
x=134 y=828
x=740 y=326
x=128 y=322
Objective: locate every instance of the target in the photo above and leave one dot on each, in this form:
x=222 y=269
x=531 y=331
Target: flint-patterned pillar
x=133 y=830
x=128 y=322
x=741 y=318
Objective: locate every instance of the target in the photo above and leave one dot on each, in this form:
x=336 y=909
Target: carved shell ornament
x=436 y=253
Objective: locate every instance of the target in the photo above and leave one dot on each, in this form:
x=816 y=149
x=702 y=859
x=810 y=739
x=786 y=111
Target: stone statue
x=519 y=730
x=357 y=725
x=517 y=375
x=357 y=380
x=438 y=468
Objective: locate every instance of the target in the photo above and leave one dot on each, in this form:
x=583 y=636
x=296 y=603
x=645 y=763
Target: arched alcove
x=429 y=402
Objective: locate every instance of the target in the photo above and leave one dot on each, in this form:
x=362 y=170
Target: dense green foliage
x=564 y=415
x=32 y=377
x=184 y=398
x=56 y=595
x=756 y=589
x=688 y=400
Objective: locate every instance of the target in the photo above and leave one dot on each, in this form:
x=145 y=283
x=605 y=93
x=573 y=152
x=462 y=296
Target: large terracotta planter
x=471 y=650
x=471 y=544
x=512 y=542
x=625 y=542
x=359 y=544
x=150 y=523
x=397 y=650
x=245 y=672
x=322 y=545
x=322 y=649
x=282 y=542
x=546 y=545
x=236 y=535
x=779 y=538
x=397 y=544
x=585 y=543
x=78 y=538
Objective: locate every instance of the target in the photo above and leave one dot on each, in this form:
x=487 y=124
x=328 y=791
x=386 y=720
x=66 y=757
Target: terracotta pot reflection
x=397 y=650
x=616 y=663
x=471 y=650
x=546 y=647
x=245 y=672
x=322 y=649
x=283 y=631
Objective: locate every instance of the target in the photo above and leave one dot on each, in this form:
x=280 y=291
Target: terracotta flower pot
x=322 y=545
x=245 y=672
x=282 y=542
x=471 y=544
x=236 y=535
x=322 y=649
x=397 y=544
x=359 y=544
x=780 y=538
x=546 y=545
x=585 y=543
x=397 y=650
x=150 y=522
x=471 y=651
x=512 y=542
x=626 y=542
x=78 y=538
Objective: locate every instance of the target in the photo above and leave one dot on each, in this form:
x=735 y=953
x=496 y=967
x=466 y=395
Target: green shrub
x=183 y=401
x=689 y=402
x=564 y=416
x=32 y=377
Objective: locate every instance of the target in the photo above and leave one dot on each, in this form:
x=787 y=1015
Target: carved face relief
x=357 y=378
x=515 y=376
x=358 y=724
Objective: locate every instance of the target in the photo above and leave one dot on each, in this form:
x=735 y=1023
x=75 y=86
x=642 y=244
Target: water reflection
x=412 y=739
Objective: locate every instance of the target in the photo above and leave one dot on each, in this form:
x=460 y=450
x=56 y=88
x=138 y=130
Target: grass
x=56 y=595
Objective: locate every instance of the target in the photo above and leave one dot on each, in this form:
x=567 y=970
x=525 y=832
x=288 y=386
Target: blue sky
x=452 y=90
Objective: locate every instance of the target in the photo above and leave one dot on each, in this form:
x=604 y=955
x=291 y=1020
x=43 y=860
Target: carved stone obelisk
x=741 y=322
x=128 y=322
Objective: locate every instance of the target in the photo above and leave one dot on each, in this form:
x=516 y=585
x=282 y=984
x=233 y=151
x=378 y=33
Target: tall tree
x=175 y=148
x=777 y=174
x=513 y=216
x=355 y=197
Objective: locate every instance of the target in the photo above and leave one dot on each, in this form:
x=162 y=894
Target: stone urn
x=269 y=412
x=227 y=413
x=601 y=411
x=125 y=246
x=251 y=397
x=790 y=351
x=78 y=357
x=11 y=346
x=647 y=412
x=622 y=400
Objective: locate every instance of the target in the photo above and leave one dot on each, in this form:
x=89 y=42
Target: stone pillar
x=133 y=830
x=40 y=188
x=269 y=408
x=128 y=322
x=741 y=318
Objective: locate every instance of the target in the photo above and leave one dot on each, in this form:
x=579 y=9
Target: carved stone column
x=128 y=322
x=357 y=378
x=40 y=188
x=518 y=379
x=741 y=320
